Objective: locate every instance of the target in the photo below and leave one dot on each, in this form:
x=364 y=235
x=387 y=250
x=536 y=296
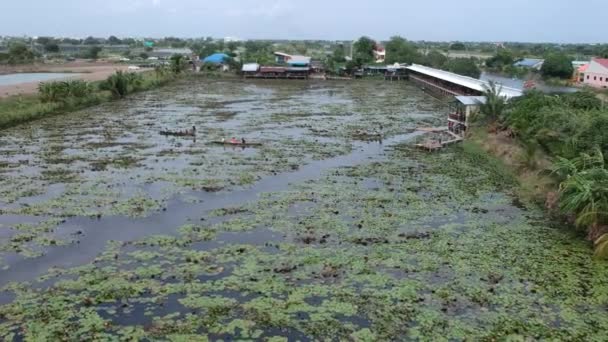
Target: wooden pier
x=432 y=145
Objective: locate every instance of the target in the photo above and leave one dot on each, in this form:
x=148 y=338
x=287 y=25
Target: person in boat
x=193 y=132
x=243 y=141
x=234 y=141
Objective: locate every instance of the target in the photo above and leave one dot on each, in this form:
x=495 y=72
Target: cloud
x=155 y=3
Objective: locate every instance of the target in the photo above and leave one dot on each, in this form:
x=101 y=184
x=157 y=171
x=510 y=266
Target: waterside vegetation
x=60 y=97
x=562 y=139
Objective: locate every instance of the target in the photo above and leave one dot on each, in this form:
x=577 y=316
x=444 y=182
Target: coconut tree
x=584 y=193
x=495 y=103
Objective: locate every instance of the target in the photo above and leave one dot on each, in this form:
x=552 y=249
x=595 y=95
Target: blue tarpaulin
x=216 y=58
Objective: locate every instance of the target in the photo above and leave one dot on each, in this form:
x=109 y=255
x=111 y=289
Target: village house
x=595 y=74
x=292 y=60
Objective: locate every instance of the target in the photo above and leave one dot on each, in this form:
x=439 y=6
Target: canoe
x=249 y=144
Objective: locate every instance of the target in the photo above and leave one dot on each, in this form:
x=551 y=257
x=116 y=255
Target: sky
x=563 y=21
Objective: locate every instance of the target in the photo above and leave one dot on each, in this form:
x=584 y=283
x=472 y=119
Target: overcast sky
x=446 y=20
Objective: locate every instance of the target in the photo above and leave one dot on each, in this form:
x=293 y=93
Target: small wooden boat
x=239 y=144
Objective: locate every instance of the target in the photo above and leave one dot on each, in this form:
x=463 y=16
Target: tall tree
x=19 y=53
x=363 y=50
x=113 y=40
x=91 y=41
x=495 y=104
x=502 y=58
x=399 y=50
x=557 y=65
x=464 y=66
x=436 y=59
x=457 y=46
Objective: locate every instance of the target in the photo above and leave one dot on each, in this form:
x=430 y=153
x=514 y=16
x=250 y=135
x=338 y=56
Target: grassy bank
x=20 y=109
x=508 y=155
x=557 y=147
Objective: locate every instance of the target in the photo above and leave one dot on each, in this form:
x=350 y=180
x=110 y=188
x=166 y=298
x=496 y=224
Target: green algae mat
x=111 y=232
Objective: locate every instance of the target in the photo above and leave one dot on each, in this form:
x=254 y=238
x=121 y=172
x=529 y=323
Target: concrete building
x=596 y=73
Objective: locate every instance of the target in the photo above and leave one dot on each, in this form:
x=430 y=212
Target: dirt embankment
x=529 y=166
x=88 y=71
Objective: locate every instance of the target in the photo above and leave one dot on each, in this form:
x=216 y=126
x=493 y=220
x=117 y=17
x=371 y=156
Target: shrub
x=117 y=84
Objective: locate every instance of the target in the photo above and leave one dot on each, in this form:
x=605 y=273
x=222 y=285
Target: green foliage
x=122 y=83
x=495 y=104
x=64 y=91
x=399 y=50
x=113 y=40
x=117 y=84
x=458 y=47
x=177 y=64
x=19 y=53
x=91 y=41
x=363 y=51
x=51 y=47
x=502 y=59
x=255 y=51
x=338 y=55
x=563 y=125
x=557 y=65
x=463 y=66
x=93 y=52
x=436 y=59
x=584 y=191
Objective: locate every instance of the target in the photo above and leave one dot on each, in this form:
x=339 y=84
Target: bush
x=557 y=65
x=564 y=125
x=64 y=91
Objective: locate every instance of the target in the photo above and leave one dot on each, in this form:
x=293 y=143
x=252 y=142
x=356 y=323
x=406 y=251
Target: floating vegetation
x=299 y=240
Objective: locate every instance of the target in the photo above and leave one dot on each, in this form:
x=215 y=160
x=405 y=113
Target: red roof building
x=596 y=73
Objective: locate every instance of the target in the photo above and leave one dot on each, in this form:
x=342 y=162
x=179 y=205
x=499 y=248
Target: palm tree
x=495 y=103
x=584 y=193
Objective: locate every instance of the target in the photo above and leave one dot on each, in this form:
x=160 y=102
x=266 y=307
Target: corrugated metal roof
x=471 y=100
x=529 y=62
x=465 y=81
x=216 y=58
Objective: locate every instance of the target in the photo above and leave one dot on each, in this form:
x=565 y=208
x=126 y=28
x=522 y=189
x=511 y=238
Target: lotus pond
x=110 y=231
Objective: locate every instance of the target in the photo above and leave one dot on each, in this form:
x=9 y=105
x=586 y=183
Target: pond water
x=109 y=230
x=12 y=79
